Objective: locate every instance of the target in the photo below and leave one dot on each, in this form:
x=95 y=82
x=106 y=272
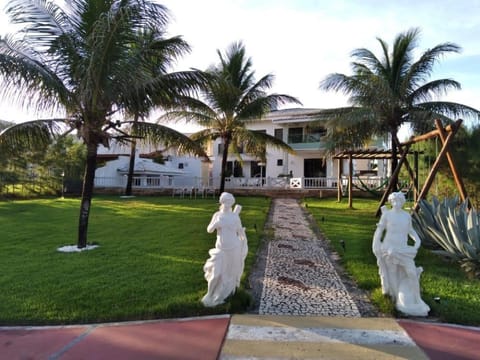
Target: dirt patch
x=305 y=262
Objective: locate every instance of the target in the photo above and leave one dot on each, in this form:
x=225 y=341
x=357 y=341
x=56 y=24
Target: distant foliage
x=454 y=227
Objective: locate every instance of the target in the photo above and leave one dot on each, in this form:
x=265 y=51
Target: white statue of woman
x=399 y=276
x=224 y=268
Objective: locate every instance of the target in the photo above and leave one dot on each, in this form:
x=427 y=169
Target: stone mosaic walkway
x=299 y=277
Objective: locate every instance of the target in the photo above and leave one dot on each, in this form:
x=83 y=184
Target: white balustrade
x=186 y=182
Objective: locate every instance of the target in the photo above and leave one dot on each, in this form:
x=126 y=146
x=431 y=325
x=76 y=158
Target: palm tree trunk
x=87 y=192
x=226 y=144
x=131 y=168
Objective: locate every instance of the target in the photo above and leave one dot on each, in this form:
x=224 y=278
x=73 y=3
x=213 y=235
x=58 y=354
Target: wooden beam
x=456 y=177
x=428 y=135
x=395 y=173
x=434 y=169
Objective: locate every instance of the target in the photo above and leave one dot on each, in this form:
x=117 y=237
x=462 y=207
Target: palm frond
x=420 y=71
x=34 y=134
x=25 y=73
x=451 y=109
x=258 y=107
x=151 y=133
x=255 y=142
x=365 y=61
x=41 y=20
x=432 y=89
x=189 y=109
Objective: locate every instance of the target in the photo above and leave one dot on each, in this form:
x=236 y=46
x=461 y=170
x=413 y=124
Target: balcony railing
x=177 y=182
x=305 y=142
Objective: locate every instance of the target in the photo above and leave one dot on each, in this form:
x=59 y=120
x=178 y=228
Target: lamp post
x=262 y=166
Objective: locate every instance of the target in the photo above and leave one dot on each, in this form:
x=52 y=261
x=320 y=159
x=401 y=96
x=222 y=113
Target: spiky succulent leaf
x=454 y=226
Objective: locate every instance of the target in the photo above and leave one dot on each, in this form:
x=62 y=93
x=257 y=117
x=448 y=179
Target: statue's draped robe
x=224 y=269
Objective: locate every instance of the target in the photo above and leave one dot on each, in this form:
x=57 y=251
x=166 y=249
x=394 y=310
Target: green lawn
x=151 y=254
x=149 y=263
x=459 y=297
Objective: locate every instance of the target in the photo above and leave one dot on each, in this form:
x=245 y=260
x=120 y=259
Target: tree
x=162 y=52
x=65 y=156
x=388 y=91
x=84 y=57
x=231 y=98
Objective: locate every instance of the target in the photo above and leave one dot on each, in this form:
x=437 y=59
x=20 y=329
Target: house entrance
x=257 y=170
x=314 y=168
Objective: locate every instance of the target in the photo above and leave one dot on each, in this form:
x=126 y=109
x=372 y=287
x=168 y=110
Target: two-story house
x=310 y=166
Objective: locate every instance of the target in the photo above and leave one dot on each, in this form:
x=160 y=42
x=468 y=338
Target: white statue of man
x=399 y=276
x=224 y=268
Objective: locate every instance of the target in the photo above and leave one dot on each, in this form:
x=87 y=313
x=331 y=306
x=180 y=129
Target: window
x=279 y=162
x=233 y=169
x=180 y=165
x=295 y=135
x=278 y=133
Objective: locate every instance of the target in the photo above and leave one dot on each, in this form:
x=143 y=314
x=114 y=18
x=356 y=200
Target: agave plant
x=454 y=227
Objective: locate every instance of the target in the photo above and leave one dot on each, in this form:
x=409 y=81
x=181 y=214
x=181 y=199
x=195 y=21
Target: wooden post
x=350 y=181
x=456 y=177
x=415 y=181
x=411 y=172
x=339 y=180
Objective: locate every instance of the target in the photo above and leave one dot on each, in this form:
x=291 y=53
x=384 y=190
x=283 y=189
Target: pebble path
x=299 y=277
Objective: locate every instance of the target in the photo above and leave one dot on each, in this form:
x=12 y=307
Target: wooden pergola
x=350 y=155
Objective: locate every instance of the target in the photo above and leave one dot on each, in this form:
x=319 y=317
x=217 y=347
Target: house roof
x=296 y=115
x=148 y=167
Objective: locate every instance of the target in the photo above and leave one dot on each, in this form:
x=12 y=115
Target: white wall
x=110 y=168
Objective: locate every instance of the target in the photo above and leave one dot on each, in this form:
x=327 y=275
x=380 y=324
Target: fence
x=24 y=188
x=174 y=182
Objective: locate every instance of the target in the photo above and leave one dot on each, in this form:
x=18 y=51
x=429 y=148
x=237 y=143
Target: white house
x=310 y=166
x=175 y=171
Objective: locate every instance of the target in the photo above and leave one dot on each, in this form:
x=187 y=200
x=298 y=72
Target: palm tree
x=231 y=98
x=388 y=91
x=162 y=53
x=84 y=57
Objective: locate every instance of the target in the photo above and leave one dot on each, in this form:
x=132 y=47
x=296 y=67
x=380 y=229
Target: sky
x=300 y=42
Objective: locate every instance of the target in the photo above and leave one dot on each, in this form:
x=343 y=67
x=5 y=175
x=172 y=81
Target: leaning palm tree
x=84 y=57
x=231 y=98
x=388 y=91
